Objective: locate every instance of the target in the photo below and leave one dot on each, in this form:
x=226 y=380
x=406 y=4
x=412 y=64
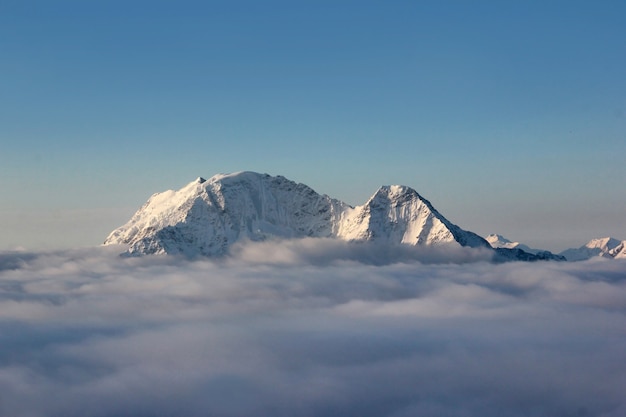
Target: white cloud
x=310 y=328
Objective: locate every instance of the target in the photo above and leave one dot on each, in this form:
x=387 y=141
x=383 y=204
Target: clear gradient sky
x=510 y=117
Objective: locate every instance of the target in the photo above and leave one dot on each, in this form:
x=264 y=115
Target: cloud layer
x=310 y=328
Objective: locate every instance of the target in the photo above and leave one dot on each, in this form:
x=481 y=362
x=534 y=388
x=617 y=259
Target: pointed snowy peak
x=397 y=214
x=498 y=241
x=605 y=247
x=393 y=194
x=605 y=244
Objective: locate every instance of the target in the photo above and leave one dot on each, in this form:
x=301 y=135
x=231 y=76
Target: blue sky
x=509 y=116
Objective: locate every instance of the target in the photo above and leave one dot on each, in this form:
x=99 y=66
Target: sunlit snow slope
x=606 y=247
x=499 y=241
x=207 y=216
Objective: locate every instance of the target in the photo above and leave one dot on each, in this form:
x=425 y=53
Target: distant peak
x=494 y=237
x=207 y=216
x=604 y=239
x=606 y=242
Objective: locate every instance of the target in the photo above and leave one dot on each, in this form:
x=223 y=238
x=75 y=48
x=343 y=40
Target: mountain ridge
x=498 y=241
x=605 y=247
x=207 y=216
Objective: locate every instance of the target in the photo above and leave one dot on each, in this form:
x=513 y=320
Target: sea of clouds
x=310 y=328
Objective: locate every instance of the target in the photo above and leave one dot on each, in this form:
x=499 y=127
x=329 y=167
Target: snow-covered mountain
x=508 y=250
x=398 y=214
x=606 y=247
x=207 y=216
x=499 y=241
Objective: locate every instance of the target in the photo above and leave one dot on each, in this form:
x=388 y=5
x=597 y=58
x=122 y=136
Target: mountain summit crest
x=206 y=217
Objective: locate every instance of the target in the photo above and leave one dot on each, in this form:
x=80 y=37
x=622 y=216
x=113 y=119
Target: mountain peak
x=502 y=244
x=495 y=238
x=207 y=219
x=606 y=243
x=604 y=247
x=396 y=189
x=388 y=194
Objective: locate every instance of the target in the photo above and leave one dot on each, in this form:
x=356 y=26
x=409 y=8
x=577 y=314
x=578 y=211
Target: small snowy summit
x=518 y=251
x=499 y=241
x=206 y=217
x=606 y=247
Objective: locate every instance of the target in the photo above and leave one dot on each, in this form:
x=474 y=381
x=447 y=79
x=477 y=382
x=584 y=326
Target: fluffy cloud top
x=310 y=328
